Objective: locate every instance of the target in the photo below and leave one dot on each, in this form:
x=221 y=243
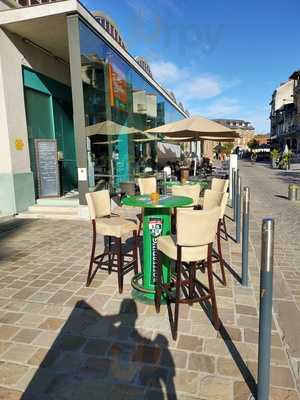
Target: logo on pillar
x=155 y=228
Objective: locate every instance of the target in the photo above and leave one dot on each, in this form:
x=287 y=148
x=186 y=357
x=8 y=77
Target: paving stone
x=7 y=331
x=26 y=335
x=10 y=394
x=186 y=381
x=19 y=353
x=52 y=324
x=10 y=373
x=187 y=342
x=201 y=363
x=215 y=388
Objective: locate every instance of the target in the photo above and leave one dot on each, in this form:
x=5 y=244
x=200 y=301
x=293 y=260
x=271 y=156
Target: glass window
x=118 y=104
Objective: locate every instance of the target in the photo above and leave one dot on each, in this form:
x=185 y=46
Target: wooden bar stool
x=146 y=186
x=196 y=231
x=110 y=226
x=192 y=191
x=211 y=199
x=219 y=185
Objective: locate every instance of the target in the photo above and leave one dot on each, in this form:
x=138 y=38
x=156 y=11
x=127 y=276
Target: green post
x=157 y=222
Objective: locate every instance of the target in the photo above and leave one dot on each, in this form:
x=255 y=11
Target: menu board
x=47 y=167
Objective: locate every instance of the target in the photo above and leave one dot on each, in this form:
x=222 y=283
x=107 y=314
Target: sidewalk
x=61 y=340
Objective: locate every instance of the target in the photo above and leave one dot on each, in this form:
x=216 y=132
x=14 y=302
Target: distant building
x=235 y=124
x=285 y=114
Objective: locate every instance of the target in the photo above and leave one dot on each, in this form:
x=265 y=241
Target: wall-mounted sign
x=82 y=174
x=47 y=167
x=19 y=144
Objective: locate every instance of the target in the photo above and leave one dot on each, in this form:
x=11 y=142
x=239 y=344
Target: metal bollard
x=234 y=182
x=245 y=235
x=232 y=188
x=265 y=309
x=238 y=210
x=293 y=192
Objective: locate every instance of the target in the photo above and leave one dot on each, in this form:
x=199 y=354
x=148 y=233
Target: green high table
x=156 y=222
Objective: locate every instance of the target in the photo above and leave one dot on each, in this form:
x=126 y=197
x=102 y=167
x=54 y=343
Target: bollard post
x=238 y=211
x=233 y=191
x=232 y=188
x=265 y=309
x=245 y=235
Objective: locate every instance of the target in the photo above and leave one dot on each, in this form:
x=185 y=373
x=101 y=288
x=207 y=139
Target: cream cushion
x=167 y=245
x=147 y=185
x=219 y=185
x=98 y=203
x=115 y=226
x=192 y=191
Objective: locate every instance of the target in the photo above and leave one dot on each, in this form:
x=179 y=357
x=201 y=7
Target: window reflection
x=118 y=105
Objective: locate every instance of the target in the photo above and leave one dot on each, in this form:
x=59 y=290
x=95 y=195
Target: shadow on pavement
x=104 y=357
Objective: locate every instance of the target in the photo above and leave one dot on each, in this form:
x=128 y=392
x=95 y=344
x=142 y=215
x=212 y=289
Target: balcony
x=29 y=3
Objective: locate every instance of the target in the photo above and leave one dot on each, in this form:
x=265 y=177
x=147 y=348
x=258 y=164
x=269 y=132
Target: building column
x=16 y=179
x=78 y=106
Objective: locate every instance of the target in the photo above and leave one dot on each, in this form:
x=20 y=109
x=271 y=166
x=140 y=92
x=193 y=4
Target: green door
x=39 y=123
x=50 y=116
x=64 y=134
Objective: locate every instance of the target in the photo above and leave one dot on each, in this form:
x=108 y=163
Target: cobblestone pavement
x=60 y=340
x=269 y=189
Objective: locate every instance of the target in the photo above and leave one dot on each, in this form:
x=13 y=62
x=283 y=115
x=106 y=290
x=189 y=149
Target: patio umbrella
x=109 y=128
x=195 y=128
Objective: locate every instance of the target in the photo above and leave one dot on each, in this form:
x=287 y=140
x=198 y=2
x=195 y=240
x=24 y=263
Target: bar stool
x=146 y=186
x=211 y=199
x=219 y=185
x=192 y=191
x=110 y=226
x=196 y=231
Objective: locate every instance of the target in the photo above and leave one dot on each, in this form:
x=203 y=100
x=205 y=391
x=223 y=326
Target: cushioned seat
x=192 y=191
x=167 y=245
x=115 y=226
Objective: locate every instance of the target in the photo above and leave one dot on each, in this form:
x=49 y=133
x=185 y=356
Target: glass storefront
x=118 y=104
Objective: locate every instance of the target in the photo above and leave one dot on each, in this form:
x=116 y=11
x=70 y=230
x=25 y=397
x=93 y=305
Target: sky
x=221 y=58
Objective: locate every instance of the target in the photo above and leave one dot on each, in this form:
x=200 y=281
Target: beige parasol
x=195 y=128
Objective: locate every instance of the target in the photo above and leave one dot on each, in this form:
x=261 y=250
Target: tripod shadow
x=97 y=357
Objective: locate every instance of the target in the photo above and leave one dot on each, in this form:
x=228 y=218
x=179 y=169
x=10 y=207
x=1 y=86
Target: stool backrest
x=192 y=191
x=219 y=185
x=98 y=203
x=212 y=199
x=224 y=204
x=147 y=185
x=197 y=228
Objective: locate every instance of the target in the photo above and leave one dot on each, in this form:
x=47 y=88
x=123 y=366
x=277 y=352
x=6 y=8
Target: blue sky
x=221 y=58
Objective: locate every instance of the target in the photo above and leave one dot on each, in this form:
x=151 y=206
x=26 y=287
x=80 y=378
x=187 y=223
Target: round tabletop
x=165 y=201
x=178 y=183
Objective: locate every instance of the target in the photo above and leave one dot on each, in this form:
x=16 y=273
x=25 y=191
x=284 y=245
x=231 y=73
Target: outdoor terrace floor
x=60 y=340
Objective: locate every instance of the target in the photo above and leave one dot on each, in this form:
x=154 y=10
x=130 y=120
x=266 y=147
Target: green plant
x=253 y=144
x=275 y=154
x=286 y=159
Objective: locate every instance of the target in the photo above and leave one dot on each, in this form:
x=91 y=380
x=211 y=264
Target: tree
x=253 y=144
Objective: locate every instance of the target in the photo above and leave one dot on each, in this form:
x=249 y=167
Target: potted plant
x=275 y=157
x=286 y=159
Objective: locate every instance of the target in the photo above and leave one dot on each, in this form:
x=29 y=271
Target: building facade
x=69 y=85
x=285 y=114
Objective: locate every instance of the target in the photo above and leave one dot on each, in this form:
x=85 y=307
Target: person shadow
x=96 y=357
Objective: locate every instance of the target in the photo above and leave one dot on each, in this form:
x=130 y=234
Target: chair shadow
x=237 y=358
x=103 y=357
x=236 y=276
